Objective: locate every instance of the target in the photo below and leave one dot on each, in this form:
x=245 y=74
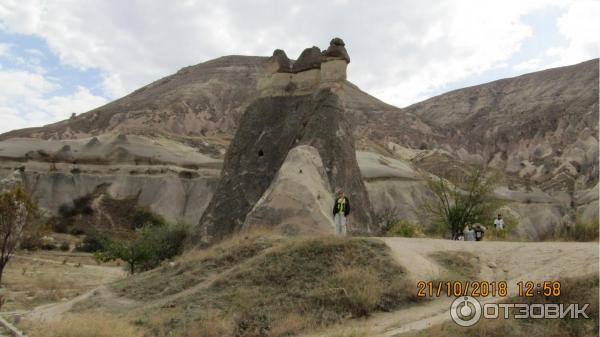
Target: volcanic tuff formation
x=301 y=107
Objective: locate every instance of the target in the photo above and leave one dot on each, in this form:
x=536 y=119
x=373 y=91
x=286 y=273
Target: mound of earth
x=263 y=283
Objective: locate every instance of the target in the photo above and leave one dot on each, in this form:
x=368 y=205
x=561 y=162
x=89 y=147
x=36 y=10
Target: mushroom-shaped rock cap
x=309 y=59
x=284 y=65
x=337 y=49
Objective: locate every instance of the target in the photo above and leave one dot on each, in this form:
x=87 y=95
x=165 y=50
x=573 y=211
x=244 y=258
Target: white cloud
x=26 y=100
x=580 y=25
x=4 y=49
x=401 y=51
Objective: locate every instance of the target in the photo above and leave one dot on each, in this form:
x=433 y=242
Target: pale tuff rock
x=10 y=181
x=299 y=199
x=313 y=70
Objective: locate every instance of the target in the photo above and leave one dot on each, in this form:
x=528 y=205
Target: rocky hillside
x=537 y=125
x=164 y=144
x=201 y=105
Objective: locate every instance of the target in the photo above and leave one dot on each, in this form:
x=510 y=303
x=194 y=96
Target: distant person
x=469 y=233
x=479 y=231
x=341 y=209
x=499 y=222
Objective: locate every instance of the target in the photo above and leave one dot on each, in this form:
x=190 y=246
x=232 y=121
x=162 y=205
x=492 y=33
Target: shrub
x=31 y=242
x=59 y=225
x=148 y=247
x=81 y=205
x=405 y=229
x=142 y=216
x=386 y=217
x=64 y=246
x=92 y=242
x=470 y=200
x=581 y=231
x=48 y=246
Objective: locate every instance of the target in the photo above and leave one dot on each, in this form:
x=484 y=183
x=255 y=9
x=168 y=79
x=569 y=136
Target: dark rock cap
x=337 y=49
x=283 y=62
x=309 y=59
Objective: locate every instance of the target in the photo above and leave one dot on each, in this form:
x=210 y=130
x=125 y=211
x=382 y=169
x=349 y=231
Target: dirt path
x=499 y=261
x=108 y=273
x=54 y=311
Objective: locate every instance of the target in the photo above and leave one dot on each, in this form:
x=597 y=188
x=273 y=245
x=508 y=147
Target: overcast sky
x=59 y=57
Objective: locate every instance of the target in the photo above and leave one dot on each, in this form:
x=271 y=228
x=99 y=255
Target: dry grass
x=28 y=283
x=459 y=265
x=85 y=325
x=581 y=231
x=68 y=257
x=275 y=286
x=194 y=267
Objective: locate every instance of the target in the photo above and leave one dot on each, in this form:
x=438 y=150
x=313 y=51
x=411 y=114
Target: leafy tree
x=17 y=212
x=142 y=216
x=470 y=200
x=145 y=250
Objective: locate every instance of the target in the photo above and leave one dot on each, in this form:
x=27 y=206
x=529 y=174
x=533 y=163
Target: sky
x=61 y=57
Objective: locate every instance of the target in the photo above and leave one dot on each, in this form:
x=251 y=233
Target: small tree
x=17 y=211
x=468 y=201
x=146 y=249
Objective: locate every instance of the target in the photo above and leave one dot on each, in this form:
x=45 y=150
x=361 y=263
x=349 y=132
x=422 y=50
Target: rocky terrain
x=165 y=144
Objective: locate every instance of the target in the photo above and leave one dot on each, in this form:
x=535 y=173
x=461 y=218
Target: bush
x=48 y=246
x=581 y=231
x=142 y=216
x=59 y=225
x=81 y=205
x=405 y=229
x=470 y=200
x=149 y=246
x=386 y=217
x=92 y=242
x=64 y=246
x=31 y=242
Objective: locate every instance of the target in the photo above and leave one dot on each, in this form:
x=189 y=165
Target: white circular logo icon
x=465 y=311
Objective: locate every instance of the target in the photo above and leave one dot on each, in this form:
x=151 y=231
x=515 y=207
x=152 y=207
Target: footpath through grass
x=263 y=285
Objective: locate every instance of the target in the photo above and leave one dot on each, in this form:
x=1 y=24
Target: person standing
x=341 y=209
x=469 y=233
x=499 y=222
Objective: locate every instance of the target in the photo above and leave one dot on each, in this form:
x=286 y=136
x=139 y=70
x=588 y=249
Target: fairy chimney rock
x=314 y=69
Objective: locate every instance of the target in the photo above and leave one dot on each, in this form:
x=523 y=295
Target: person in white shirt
x=469 y=233
x=499 y=223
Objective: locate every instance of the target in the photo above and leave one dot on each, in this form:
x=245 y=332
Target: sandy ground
x=499 y=261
